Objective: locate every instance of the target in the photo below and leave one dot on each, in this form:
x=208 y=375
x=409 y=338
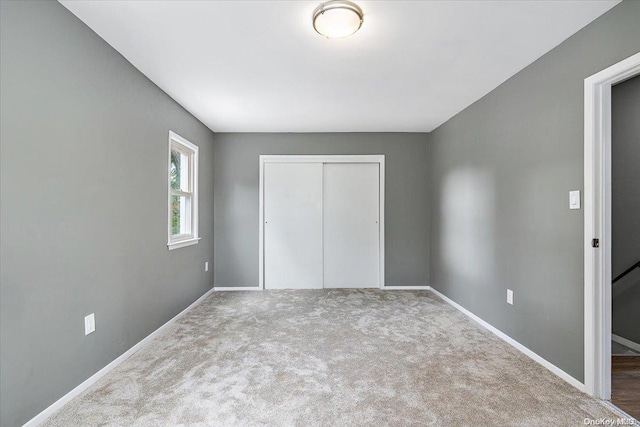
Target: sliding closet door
x=351 y=225
x=293 y=225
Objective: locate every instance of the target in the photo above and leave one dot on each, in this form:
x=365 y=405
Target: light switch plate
x=89 y=324
x=510 y=296
x=574 y=199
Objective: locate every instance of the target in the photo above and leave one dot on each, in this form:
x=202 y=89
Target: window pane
x=180 y=215
x=183 y=199
x=179 y=171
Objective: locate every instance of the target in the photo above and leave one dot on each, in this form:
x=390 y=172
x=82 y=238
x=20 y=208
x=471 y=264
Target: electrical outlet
x=206 y=266
x=89 y=324
x=510 y=296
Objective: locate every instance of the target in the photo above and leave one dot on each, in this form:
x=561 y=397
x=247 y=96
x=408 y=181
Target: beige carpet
x=329 y=357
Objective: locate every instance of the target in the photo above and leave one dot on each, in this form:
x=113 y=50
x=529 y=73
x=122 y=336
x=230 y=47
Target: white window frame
x=178 y=143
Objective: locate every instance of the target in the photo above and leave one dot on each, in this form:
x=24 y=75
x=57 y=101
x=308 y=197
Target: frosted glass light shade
x=337 y=19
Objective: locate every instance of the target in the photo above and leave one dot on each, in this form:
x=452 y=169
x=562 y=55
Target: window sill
x=183 y=243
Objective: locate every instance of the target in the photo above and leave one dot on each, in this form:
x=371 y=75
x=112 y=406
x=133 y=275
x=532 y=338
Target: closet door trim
x=369 y=158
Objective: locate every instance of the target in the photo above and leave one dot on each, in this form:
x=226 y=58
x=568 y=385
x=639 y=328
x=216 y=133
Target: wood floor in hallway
x=625 y=384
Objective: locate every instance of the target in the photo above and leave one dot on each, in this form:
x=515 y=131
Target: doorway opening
x=625 y=245
x=601 y=270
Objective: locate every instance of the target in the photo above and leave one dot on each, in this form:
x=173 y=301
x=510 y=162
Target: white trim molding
x=182 y=243
x=258 y=288
x=506 y=338
x=625 y=342
x=58 y=404
x=364 y=158
x=620 y=412
x=597 y=223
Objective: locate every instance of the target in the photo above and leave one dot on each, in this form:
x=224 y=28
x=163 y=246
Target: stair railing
x=627 y=271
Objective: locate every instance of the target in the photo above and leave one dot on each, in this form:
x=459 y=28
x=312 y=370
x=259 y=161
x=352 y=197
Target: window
x=183 y=192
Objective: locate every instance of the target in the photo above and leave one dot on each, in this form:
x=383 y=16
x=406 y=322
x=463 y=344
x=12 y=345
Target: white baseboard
x=257 y=288
x=625 y=342
x=620 y=412
x=550 y=366
x=38 y=419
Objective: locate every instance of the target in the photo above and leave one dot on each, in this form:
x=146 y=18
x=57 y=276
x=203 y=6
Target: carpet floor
x=329 y=357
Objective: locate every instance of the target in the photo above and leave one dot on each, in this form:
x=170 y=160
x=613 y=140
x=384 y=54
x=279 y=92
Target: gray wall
x=501 y=171
x=625 y=206
x=236 y=198
x=83 y=206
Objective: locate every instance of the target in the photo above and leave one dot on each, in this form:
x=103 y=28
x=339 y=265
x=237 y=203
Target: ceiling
x=258 y=66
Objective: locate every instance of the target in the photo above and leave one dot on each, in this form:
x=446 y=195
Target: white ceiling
x=258 y=66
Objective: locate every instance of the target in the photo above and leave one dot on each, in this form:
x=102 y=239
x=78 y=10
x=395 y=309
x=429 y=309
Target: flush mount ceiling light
x=337 y=19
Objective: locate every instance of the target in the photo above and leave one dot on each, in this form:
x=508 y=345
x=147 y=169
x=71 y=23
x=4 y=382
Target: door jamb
x=369 y=158
x=597 y=223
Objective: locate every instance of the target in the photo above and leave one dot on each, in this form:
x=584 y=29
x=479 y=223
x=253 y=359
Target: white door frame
x=373 y=158
x=597 y=223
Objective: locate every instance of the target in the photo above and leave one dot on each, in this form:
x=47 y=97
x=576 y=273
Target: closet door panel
x=293 y=225
x=351 y=225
